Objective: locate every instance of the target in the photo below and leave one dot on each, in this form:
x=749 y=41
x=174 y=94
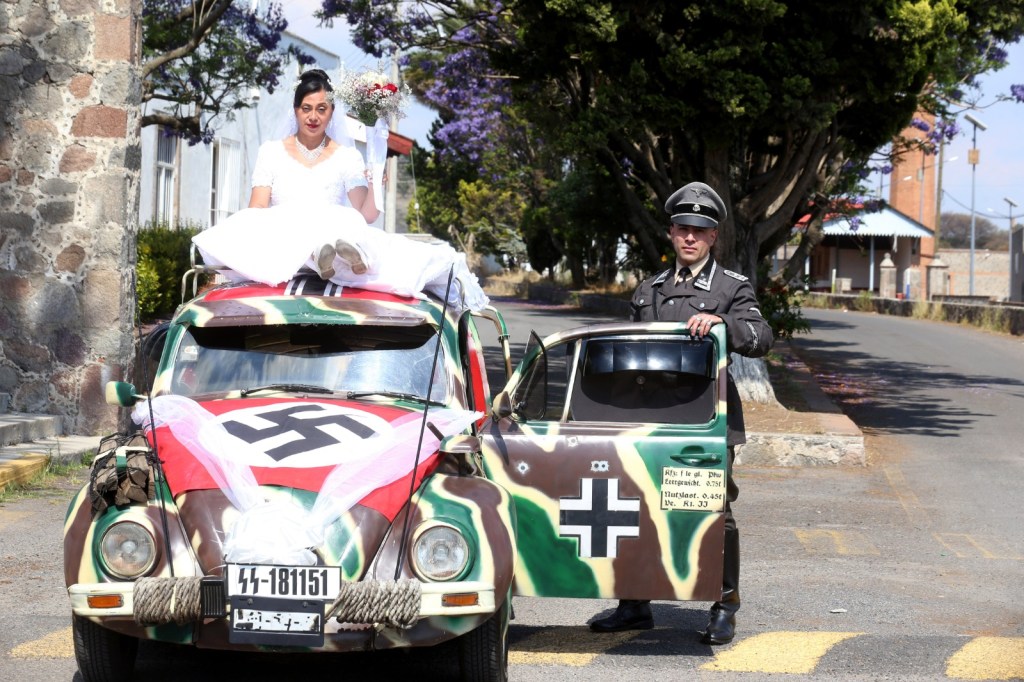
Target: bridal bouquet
x=370 y=95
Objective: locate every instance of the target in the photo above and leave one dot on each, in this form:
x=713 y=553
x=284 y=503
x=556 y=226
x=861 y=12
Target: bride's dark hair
x=313 y=80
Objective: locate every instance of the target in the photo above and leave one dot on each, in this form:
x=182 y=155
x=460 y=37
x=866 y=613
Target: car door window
x=541 y=395
x=659 y=382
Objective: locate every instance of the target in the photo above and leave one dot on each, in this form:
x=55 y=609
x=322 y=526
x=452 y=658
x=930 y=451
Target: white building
x=201 y=184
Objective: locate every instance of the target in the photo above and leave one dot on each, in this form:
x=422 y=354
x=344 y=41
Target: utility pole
x=390 y=196
x=972 y=158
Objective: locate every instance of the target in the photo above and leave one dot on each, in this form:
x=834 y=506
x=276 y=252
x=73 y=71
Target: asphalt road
x=908 y=569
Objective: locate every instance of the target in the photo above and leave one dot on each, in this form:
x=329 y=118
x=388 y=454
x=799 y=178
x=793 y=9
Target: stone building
x=69 y=169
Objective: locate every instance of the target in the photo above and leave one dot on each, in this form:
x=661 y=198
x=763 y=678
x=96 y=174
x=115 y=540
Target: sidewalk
x=28 y=443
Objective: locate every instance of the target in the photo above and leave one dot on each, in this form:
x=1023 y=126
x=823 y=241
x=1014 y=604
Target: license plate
x=276 y=622
x=290 y=582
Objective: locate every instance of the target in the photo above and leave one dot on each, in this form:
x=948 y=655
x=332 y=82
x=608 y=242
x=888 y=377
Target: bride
x=310 y=206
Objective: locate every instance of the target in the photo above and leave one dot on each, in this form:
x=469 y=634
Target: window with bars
x=225 y=180
x=166 y=176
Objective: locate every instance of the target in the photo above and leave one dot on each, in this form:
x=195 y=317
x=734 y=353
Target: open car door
x=612 y=441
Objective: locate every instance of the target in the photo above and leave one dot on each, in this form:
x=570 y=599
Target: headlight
x=128 y=550
x=440 y=553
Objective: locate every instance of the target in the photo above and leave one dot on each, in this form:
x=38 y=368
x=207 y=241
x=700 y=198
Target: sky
x=999 y=174
x=1000 y=170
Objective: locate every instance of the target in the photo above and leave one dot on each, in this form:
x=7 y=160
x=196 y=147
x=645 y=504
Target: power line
x=989 y=214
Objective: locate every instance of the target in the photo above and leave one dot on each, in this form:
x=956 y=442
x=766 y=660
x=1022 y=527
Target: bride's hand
x=369 y=177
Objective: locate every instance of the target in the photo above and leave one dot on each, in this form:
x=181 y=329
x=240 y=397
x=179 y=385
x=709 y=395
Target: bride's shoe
x=353 y=255
x=324 y=261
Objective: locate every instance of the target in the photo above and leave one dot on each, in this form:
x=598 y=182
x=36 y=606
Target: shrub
x=163 y=257
x=780 y=306
x=864 y=302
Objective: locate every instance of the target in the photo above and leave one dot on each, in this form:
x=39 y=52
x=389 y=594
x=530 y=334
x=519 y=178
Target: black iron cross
x=599 y=517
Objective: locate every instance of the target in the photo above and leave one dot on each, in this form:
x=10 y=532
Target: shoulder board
x=735 y=275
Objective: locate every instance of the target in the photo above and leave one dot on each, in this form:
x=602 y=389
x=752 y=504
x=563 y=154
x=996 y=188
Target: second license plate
x=303 y=582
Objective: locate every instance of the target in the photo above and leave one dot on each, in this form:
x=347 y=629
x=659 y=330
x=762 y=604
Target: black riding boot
x=630 y=614
x=722 y=625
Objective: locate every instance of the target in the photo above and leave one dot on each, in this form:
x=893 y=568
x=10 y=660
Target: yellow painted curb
x=21 y=470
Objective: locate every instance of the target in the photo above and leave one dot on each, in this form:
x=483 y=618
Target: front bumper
x=118 y=599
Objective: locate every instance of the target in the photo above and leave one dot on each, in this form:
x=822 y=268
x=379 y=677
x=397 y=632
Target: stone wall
x=69 y=171
x=1004 y=318
x=991 y=272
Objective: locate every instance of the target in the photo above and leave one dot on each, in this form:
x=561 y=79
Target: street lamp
x=972 y=158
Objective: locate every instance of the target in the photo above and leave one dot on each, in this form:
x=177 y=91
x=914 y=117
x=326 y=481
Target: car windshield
x=304 y=358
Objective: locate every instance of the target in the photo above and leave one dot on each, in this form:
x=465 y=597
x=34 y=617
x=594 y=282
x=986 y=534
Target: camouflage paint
x=677 y=554
x=362 y=541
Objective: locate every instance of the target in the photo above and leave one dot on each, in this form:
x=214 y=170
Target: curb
x=19 y=464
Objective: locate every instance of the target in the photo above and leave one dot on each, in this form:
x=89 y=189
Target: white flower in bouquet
x=370 y=95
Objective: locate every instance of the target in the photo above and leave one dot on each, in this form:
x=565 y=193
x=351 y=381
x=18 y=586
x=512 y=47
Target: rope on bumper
x=165 y=600
x=395 y=603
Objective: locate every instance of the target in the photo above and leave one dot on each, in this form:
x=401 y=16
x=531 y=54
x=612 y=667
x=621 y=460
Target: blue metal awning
x=887 y=222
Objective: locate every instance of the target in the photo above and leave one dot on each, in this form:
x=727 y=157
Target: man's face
x=692 y=244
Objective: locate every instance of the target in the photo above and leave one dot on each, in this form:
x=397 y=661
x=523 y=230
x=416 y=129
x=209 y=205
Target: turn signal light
x=105 y=601
x=460 y=599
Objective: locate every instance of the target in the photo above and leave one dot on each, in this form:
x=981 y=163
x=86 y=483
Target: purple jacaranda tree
x=779 y=105
x=202 y=59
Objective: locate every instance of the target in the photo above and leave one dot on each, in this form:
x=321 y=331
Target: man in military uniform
x=702 y=293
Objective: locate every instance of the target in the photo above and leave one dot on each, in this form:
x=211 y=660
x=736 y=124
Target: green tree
x=204 y=59
x=778 y=104
x=955 y=233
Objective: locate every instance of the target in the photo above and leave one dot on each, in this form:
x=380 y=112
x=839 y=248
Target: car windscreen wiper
x=392 y=394
x=291 y=388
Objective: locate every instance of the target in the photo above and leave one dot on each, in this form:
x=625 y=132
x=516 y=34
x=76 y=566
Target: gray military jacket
x=720 y=292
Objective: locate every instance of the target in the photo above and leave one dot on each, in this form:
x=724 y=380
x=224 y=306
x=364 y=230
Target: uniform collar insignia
x=703 y=280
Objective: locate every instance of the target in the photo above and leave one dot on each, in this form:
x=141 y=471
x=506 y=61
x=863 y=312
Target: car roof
x=252 y=304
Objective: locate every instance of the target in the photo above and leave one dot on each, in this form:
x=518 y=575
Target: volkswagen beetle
x=305 y=476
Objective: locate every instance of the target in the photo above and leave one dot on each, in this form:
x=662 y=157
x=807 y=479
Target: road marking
x=907 y=498
x=988 y=658
x=777 y=652
x=967 y=546
x=59 y=644
x=573 y=646
x=824 y=541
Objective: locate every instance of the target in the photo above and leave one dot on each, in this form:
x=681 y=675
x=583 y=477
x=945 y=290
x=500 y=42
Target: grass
x=43 y=482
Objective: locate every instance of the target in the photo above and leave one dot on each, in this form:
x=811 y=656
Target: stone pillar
x=69 y=171
x=938 y=278
x=912 y=283
x=887 y=278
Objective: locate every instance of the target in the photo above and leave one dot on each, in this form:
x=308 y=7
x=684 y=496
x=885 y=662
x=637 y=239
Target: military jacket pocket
x=703 y=304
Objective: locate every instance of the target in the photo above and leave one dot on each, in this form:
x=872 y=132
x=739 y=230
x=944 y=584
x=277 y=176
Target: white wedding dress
x=309 y=208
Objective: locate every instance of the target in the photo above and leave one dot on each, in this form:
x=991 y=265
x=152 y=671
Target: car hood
x=270 y=480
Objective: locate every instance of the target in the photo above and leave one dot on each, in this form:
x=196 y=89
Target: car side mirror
x=121 y=394
x=501 y=406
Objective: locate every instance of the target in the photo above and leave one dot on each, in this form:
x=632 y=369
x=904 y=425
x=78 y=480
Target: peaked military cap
x=696 y=205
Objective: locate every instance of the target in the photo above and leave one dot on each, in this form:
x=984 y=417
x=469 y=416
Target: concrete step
x=20 y=462
x=19 y=427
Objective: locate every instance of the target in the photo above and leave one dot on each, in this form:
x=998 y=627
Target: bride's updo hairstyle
x=313 y=80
